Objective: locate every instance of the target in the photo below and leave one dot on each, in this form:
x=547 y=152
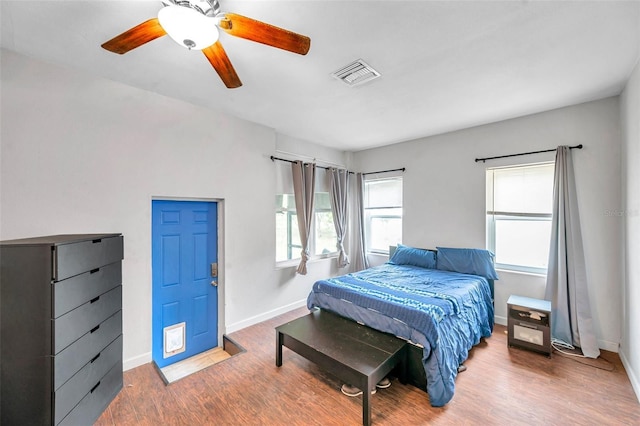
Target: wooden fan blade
x=220 y=62
x=135 y=37
x=250 y=29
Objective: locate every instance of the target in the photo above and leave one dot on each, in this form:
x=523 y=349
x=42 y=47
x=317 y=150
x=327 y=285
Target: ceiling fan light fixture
x=188 y=27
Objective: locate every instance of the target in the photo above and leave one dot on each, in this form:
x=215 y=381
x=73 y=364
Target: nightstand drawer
x=75 y=356
x=81 y=383
x=72 y=325
x=75 y=291
x=97 y=399
x=520 y=313
x=83 y=256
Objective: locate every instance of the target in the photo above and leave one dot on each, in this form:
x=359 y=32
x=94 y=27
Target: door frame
x=220 y=202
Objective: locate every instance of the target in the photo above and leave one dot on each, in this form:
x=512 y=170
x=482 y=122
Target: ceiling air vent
x=356 y=73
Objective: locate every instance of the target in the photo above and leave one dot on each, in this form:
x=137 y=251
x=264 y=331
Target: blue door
x=184 y=274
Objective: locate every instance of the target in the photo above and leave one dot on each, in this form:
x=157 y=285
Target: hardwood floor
x=500 y=387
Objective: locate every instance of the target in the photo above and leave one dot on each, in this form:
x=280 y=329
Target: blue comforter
x=445 y=312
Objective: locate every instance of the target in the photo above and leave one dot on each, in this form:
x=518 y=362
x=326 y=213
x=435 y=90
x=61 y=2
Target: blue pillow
x=405 y=255
x=467 y=261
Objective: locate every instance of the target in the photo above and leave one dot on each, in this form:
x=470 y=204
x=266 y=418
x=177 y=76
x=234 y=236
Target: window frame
x=314 y=235
x=368 y=216
x=289 y=222
x=493 y=216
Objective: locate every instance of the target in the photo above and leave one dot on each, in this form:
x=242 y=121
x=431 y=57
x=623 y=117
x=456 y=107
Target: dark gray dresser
x=60 y=328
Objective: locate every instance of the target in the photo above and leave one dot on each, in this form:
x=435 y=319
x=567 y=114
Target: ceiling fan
x=194 y=24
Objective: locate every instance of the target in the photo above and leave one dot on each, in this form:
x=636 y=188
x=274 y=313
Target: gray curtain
x=304 y=184
x=339 y=205
x=360 y=252
x=566 y=288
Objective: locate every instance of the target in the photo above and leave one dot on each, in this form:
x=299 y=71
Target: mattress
x=446 y=313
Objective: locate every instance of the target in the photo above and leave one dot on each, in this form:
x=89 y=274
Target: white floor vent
x=356 y=73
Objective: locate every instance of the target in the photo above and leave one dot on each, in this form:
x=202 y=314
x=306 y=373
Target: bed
x=440 y=301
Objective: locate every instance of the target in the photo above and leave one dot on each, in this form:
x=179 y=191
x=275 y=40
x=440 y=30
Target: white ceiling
x=445 y=65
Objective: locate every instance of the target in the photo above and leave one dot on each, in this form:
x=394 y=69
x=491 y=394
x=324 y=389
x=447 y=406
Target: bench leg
x=279 y=340
x=366 y=408
x=366 y=402
x=404 y=360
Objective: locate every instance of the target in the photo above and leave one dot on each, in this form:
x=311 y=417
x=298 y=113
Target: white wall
x=444 y=194
x=630 y=119
x=86 y=155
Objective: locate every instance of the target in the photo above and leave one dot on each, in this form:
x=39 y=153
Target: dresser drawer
x=72 y=325
x=82 y=256
x=73 y=292
x=75 y=356
x=81 y=383
x=97 y=399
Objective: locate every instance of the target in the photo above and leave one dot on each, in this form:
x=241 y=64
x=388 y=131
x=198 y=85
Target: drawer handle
x=94 y=358
x=99 y=240
x=93 y=271
x=95 y=299
x=95 y=328
x=531 y=326
x=95 y=387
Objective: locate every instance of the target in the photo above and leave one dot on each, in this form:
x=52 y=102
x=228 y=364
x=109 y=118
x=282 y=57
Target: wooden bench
x=353 y=353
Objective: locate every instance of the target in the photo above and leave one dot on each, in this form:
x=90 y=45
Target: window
x=519 y=207
x=323 y=239
x=383 y=213
x=288 y=245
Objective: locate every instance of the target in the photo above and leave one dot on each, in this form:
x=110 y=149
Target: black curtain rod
x=384 y=171
x=292 y=161
x=524 y=153
x=328 y=168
